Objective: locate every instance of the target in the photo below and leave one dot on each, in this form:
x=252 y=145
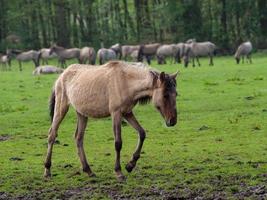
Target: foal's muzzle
x=171 y=122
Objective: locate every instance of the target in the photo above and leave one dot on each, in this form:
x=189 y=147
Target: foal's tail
x=52 y=102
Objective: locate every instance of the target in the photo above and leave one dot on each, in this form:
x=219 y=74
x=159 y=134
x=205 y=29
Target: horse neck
x=142 y=87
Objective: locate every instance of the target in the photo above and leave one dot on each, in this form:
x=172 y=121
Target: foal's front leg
x=79 y=135
x=116 y=118
x=142 y=135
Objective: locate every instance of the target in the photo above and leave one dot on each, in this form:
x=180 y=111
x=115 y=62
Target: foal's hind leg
x=81 y=125
x=116 y=118
x=142 y=135
x=61 y=108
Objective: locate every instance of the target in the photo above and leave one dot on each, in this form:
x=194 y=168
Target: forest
x=33 y=24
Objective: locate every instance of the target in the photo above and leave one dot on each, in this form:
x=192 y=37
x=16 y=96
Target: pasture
x=217 y=149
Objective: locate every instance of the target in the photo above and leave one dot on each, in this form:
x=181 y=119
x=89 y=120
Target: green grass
x=218 y=146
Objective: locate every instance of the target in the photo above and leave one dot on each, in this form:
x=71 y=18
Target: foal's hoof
x=91 y=174
x=121 y=178
x=129 y=167
x=47 y=174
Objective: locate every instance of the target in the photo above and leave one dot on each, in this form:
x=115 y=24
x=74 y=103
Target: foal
x=112 y=90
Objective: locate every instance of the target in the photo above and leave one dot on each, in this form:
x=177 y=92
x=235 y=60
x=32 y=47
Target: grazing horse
x=243 y=50
x=164 y=51
x=112 y=90
x=105 y=55
x=147 y=51
x=170 y=50
x=117 y=49
x=25 y=56
x=65 y=54
x=45 y=55
x=196 y=49
x=127 y=50
x=5 y=60
x=87 y=54
x=47 y=69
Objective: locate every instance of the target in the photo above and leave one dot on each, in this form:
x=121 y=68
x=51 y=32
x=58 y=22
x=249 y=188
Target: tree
x=62 y=29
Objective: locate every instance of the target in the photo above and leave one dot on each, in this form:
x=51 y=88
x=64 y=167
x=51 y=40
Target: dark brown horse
x=112 y=90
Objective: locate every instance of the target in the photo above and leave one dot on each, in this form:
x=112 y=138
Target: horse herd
x=191 y=50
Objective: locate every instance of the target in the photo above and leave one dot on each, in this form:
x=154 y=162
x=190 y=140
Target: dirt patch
x=203 y=128
x=4 y=195
x=238 y=190
x=16 y=159
x=253 y=192
x=249 y=97
x=4 y=137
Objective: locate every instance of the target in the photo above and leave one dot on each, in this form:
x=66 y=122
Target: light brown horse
x=112 y=90
x=87 y=54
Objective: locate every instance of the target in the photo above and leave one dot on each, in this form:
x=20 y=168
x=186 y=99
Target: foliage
x=105 y=22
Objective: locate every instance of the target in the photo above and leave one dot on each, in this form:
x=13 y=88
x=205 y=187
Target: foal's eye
x=166 y=96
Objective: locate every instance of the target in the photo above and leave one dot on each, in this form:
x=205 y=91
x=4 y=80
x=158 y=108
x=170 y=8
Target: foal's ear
x=174 y=75
x=162 y=76
x=155 y=76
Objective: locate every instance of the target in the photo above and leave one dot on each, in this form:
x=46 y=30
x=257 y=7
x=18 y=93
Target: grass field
x=218 y=149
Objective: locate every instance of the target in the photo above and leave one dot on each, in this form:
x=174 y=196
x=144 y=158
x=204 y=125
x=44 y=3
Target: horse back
x=97 y=91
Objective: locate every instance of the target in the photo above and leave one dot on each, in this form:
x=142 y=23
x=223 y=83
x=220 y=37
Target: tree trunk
x=62 y=28
x=129 y=21
x=262 y=4
x=224 y=25
x=138 y=18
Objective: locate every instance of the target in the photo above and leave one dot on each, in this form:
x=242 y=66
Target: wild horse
x=112 y=90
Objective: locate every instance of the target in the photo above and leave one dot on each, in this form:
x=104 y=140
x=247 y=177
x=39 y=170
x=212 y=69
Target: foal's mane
x=144 y=100
x=141 y=70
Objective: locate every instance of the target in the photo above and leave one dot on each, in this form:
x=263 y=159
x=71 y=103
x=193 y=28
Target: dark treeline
x=32 y=24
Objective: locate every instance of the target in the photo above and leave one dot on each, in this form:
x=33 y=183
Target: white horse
x=243 y=50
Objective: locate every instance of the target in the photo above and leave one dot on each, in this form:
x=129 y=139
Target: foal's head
x=164 y=96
